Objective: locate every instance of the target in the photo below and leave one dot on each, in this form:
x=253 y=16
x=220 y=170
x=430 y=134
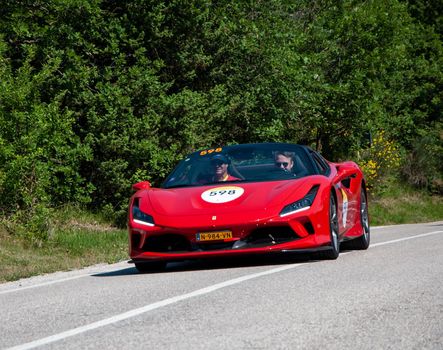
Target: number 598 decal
x=222 y=194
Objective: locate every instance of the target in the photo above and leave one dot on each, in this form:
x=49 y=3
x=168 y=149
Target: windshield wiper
x=221 y=182
x=180 y=185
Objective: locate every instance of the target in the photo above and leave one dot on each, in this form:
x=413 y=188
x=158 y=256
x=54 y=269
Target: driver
x=220 y=164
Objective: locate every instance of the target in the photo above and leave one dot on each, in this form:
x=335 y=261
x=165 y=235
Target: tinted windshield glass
x=260 y=162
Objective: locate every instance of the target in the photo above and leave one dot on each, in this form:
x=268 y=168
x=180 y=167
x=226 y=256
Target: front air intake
x=169 y=243
x=271 y=235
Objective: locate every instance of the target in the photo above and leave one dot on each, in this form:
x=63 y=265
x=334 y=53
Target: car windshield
x=245 y=163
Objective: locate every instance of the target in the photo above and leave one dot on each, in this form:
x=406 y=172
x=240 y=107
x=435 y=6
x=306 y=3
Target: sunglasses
x=217 y=163
x=279 y=164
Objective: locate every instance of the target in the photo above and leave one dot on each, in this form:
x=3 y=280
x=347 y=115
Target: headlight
x=302 y=204
x=140 y=217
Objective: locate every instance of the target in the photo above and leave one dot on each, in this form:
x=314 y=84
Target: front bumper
x=305 y=232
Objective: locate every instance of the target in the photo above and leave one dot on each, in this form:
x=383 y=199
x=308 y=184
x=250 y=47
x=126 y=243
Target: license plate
x=213 y=236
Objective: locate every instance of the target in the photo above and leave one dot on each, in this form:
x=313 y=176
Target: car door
x=343 y=177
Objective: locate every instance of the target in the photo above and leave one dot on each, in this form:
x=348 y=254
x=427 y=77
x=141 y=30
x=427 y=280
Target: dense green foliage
x=98 y=94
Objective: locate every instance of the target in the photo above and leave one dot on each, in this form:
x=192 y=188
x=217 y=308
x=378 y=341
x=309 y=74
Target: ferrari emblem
x=214 y=218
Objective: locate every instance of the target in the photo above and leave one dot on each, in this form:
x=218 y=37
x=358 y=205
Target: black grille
x=174 y=243
x=271 y=235
x=213 y=246
x=167 y=243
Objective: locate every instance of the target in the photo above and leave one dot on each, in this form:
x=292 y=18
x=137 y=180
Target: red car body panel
x=180 y=214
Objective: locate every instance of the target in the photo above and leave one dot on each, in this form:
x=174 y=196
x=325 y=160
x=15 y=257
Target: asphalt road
x=388 y=297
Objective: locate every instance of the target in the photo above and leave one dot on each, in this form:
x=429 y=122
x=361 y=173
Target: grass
x=78 y=238
x=400 y=204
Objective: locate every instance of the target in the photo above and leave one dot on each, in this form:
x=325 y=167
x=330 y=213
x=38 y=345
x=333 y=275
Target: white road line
x=404 y=239
x=43 y=284
x=176 y=299
x=149 y=307
x=91 y=274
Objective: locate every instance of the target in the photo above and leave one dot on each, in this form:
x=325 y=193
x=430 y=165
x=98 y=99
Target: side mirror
x=144 y=185
x=346 y=170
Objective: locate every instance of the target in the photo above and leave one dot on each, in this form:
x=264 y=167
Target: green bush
x=423 y=166
x=96 y=95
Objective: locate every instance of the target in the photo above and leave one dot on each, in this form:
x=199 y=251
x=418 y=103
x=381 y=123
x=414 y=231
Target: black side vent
x=135 y=240
x=346 y=182
x=308 y=227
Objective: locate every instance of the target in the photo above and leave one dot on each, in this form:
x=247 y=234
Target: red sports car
x=249 y=199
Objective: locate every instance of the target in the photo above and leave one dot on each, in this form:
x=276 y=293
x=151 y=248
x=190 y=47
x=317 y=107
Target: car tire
x=362 y=242
x=150 y=266
x=334 y=251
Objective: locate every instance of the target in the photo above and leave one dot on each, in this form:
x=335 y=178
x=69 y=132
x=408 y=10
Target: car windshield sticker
x=222 y=194
x=209 y=151
x=345 y=207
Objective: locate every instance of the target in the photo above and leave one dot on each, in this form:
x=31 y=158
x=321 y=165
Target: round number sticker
x=222 y=194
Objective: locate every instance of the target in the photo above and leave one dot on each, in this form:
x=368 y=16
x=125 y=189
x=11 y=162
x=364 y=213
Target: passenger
x=221 y=164
x=284 y=160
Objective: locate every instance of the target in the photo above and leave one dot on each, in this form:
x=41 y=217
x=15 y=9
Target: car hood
x=224 y=198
